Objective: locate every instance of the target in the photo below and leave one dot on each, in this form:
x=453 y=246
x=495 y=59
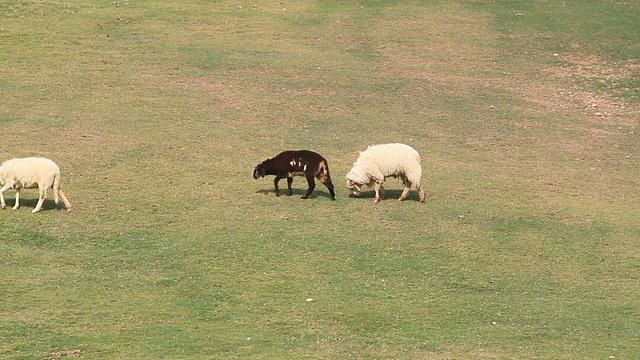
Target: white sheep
x=379 y=162
x=31 y=173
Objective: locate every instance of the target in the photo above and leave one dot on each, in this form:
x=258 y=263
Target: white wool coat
x=30 y=173
x=387 y=160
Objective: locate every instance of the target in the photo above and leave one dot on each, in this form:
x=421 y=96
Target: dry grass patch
x=157 y=115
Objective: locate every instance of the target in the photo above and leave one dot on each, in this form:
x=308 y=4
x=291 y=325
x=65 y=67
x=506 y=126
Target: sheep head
x=354 y=187
x=259 y=171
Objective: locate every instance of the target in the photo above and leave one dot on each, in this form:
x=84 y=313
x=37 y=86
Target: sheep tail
x=323 y=172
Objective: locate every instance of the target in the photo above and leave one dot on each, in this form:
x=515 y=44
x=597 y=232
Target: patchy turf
x=525 y=114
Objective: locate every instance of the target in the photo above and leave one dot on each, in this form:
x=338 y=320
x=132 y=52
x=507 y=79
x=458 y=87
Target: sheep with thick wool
x=379 y=162
x=31 y=173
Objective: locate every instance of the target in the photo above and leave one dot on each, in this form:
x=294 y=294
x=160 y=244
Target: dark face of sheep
x=354 y=187
x=258 y=171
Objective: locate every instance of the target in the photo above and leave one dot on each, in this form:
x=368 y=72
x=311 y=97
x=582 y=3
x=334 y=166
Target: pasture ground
x=525 y=113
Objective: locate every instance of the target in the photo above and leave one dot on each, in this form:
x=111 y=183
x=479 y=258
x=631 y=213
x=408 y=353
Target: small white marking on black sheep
x=31 y=173
x=379 y=162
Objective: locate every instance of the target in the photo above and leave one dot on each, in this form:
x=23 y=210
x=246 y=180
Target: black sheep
x=291 y=163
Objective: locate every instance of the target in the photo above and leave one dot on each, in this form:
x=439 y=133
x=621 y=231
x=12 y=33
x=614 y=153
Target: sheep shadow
x=296 y=193
x=388 y=195
x=28 y=203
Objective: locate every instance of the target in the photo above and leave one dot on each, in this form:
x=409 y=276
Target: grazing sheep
x=379 y=162
x=31 y=173
x=291 y=163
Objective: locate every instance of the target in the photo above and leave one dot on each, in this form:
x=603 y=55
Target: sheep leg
x=312 y=186
x=326 y=180
x=404 y=194
x=289 y=182
x=2 y=190
x=379 y=190
x=421 y=195
x=275 y=184
x=43 y=195
x=405 y=191
x=329 y=186
x=17 y=204
x=67 y=204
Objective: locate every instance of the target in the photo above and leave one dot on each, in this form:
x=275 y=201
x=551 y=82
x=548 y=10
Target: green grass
x=525 y=114
x=604 y=47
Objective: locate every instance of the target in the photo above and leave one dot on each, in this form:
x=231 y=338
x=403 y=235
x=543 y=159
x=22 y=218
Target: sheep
x=379 y=162
x=292 y=163
x=31 y=173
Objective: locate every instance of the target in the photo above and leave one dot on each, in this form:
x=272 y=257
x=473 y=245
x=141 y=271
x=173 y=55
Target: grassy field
x=526 y=114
